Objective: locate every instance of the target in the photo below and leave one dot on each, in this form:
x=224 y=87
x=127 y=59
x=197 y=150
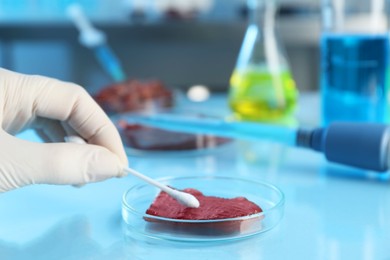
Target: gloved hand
x=54 y=109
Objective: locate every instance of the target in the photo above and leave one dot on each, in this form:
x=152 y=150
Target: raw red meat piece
x=151 y=95
x=211 y=208
x=153 y=139
x=134 y=95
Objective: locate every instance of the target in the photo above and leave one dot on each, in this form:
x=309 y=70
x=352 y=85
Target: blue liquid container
x=354 y=80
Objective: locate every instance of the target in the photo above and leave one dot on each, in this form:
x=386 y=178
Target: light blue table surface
x=331 y=212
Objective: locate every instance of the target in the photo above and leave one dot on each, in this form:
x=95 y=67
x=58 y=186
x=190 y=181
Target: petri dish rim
x=198 y=152
x=203 y=150
x=277 y=206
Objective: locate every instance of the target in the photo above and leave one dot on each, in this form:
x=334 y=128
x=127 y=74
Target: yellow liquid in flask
x=256 y=94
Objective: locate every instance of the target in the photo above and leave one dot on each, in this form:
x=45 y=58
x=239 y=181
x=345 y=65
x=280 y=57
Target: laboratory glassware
x=139 y=225
x=96 y=40
x=261 y=86
x=354 y=61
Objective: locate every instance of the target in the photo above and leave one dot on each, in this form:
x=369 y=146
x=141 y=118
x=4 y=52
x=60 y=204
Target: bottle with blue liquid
x=354 y=62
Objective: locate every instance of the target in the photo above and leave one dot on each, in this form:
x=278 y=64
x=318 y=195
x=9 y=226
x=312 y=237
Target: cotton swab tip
x=186 y=199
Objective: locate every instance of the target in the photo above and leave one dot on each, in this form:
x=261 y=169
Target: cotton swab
x=184 y=198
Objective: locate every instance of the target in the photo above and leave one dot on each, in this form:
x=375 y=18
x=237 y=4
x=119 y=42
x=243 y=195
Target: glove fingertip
x=103 y=165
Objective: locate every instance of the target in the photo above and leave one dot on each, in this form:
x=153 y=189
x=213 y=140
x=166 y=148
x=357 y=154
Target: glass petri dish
x=138 y=199
x=141 y=140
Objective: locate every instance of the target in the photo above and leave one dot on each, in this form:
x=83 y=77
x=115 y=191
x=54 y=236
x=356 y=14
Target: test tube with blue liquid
x=95 y=40
x=354 y=61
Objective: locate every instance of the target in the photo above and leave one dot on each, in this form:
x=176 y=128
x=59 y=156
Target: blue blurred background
x=180 y=44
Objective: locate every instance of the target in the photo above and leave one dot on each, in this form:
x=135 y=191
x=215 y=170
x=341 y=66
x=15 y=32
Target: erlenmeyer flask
x=261 y=86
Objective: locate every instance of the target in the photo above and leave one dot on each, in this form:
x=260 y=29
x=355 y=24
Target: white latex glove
x=54 y=109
